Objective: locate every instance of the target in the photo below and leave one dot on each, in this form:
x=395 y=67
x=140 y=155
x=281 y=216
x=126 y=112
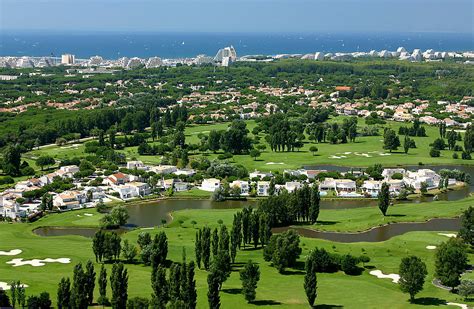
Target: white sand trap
x=447 y=234
x=430 y=247
x=11 y=252
x=379 y=274
x=348 y=152
x=37 y=262
x=463 y=306
x=385 y=154
x=88 y=215
x=366 y=155
x=5 y=286
x=334 y=157
x=273 y=163
x=343 y=156
x=79 y=216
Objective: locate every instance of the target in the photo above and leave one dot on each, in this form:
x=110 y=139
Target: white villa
x=416 y=178
x=164 y=169
x=210 y=184
x=131 y=165
x=262 y=188
x=243 y=185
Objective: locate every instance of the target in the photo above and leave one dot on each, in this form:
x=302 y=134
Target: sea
x=111 y=45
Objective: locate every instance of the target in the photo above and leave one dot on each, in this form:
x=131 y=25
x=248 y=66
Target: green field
x=278 y=161
x=275 y=290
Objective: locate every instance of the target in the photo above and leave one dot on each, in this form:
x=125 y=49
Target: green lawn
x=273 y=161
x=274 y=289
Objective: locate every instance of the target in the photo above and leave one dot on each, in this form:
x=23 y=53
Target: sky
x=303 y=16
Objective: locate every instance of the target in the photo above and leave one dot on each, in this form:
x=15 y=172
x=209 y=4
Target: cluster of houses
x=338 y=187
x=14 y=203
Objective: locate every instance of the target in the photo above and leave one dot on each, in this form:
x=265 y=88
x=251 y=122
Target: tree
x=235 y=139
x=450 y=262
x=78 y=290
x=12 y=160
x=213 y=141
x=129 y=251
x=390 y=140
x=190 y=298
x=198 y=247
x=64 y=293
x=349 y=264
x=119 y=215
x=423 y=188
x=44 y=161
x=39 y=302
x=137 y=303
x=384 y=198
x=14 y=292
x=4 y=299
x=314 y=204
x=160 y=287
x=283 y=250
x=250 y=275
x=213 y=283
x=206 y=246
x=434 y=153
x=89 y=281
x=119 y=286
x=144 y=239
x=466 y=288
x=254 y=153
x=102 y=281
x=159 y=250
x=313 y=149
x=469 y=140
x=310 y=280
x=412 y=275
x=467 y=226
x=407 y=144
x=215 y=242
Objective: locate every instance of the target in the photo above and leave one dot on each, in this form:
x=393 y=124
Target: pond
x=63 y=231
x=380 y=233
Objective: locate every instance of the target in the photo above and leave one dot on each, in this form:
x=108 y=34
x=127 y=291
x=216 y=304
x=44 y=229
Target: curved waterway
x=150 y=214
x=380 y=233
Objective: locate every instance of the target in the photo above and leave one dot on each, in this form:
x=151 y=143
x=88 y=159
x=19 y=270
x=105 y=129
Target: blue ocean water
x=175 y=45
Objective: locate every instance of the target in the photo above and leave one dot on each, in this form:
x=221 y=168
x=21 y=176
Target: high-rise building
x=68 y=59
x=226 y=55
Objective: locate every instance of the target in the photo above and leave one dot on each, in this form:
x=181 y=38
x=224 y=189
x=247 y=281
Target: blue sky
x=239 y=15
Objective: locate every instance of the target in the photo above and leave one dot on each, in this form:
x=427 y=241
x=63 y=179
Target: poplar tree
x=119 y=286
x=160 y=288
x=384 y=198
x=249 y=275
x=89 y=281
x=314 y=204
x=64 y=293
x=102 y=281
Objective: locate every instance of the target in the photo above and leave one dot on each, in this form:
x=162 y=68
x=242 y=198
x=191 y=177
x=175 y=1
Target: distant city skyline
x=250 y=16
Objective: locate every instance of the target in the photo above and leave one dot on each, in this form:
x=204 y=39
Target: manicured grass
x=194 y=193
x=359 y=219
x=274 y=289
x=370 y=145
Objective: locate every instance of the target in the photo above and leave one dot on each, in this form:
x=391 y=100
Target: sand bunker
x=11 y=252
x=379 y=274
x=430 y=247
x=463 y=306
x=273 y=163
x=447 y=234
x=5 y=286
x=385 y=154
x=88 y=215
x=37 y=262
x=334 y=157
